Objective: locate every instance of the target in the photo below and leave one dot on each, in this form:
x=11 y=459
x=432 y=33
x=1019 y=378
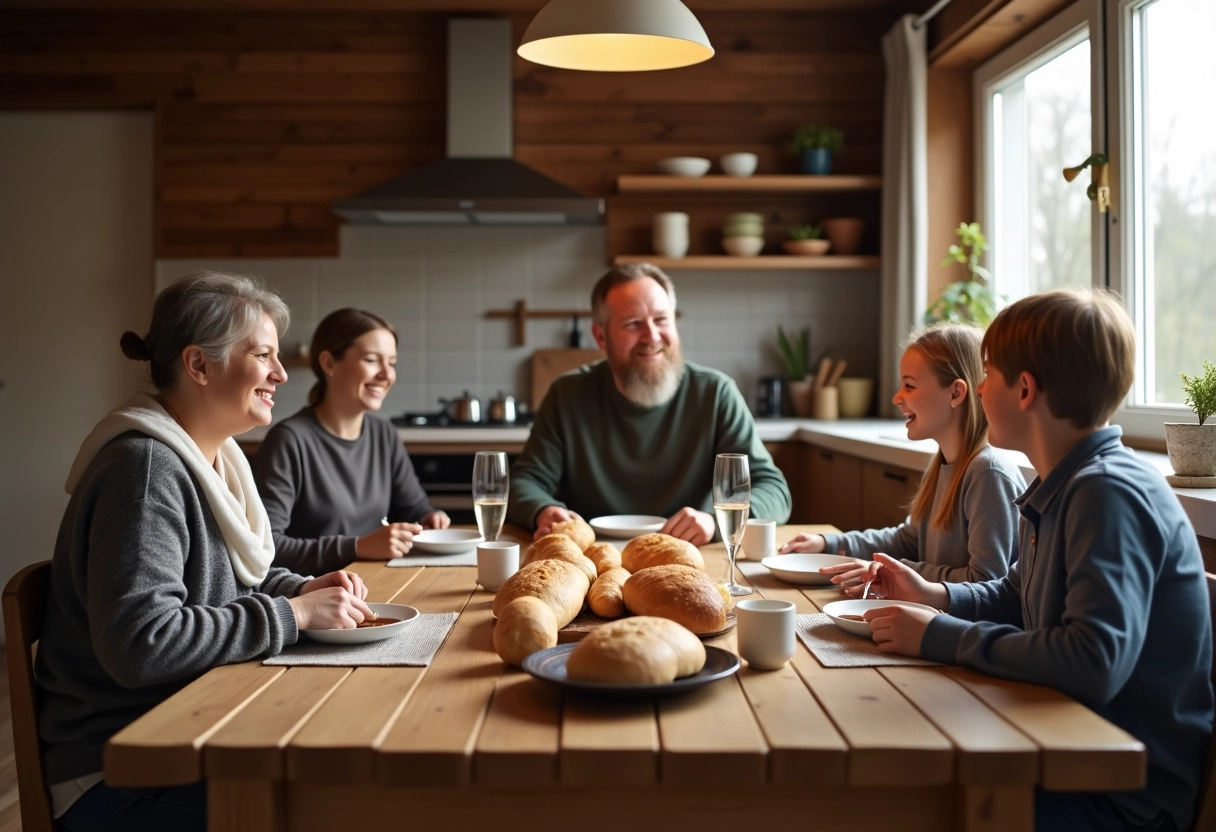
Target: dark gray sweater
x=143 y=600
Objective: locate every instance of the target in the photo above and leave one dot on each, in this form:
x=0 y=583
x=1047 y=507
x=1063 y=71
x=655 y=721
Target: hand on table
x=331 y=602
x=813 y=543
x=436 y=520
x=550 y=515
x=696 y=527
x=899 y=629
x=390 y=541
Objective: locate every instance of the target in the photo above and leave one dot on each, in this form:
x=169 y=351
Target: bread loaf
x=576 y=529
x=526 y=625
x=605 y=556
x=561 y=585
x=637 y=650
x=683 y=594
x=659 y=549
x=605 y=597
x=560 y=547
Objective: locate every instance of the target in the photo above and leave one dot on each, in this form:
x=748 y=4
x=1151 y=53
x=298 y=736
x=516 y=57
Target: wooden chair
x=1205 y=814
x=24 y=603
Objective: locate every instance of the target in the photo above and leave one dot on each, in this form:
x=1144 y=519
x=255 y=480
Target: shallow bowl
x=837 y=609
x=743 y=246
x=811 y=248
x=683 y=166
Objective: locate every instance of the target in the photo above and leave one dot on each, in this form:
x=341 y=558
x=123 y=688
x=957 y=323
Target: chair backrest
x=24 y=604
x=1205 y=816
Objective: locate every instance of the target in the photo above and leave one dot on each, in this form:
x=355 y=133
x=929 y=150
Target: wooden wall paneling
x=951 y=172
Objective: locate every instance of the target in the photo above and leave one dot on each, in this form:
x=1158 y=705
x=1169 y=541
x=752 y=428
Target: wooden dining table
x=471 y=743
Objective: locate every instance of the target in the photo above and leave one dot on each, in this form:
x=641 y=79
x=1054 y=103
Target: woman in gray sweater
x=162 y=568
x=963 y=524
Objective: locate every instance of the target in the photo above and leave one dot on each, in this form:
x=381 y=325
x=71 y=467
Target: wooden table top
x=469 y=720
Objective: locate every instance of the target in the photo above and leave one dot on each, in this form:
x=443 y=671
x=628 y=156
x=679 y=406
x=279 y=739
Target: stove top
x=439 y=419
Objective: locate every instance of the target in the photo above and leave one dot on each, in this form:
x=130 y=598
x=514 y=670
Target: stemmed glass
x=732 y=499
x=490 y=484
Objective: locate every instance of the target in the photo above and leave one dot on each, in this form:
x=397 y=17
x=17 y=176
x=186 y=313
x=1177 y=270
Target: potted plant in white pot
x=795 y=356
x=1192 y=448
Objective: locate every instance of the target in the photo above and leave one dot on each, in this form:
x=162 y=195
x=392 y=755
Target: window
x=1041 y=107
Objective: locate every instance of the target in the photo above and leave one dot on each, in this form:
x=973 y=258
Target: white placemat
x=415 y=646
x=834 y=647
x=463 y=559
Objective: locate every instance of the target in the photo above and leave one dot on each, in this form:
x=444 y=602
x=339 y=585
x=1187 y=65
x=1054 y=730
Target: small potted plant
x=1192 y=448
x=971 y=300
x=816 y=145
x=806 y=240
x=795 y=355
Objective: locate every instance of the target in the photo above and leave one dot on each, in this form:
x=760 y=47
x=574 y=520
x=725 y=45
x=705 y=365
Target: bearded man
x=637 y=432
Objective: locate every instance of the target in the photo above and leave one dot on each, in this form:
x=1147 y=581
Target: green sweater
x=595 y=452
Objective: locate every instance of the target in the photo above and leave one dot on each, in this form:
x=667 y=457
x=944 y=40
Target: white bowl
x=837 y=609
x=803 y=567
x=446 y=541
x=739 y=164
x=683 y=166
x=743 y=246
x=361 y=635
x=622 y=526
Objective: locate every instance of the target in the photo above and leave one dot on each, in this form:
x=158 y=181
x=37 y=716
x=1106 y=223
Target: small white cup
x=760 y=538
x=765 y=632
x=497 y=560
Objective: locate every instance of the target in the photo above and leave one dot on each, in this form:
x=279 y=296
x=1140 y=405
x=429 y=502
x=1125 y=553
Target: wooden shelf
x=637 y=183
x=774 y=262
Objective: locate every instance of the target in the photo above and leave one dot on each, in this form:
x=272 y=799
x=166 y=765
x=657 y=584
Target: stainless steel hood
x=478 y=183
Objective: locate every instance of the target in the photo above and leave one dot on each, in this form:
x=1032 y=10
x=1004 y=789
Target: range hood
x=478 y=183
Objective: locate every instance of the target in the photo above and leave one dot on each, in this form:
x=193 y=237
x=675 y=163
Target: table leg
x=996 y=808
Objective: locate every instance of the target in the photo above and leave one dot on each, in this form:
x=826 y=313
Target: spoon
x=866 y=590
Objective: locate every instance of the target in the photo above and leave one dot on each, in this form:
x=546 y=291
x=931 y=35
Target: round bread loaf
x=560 y=547
x=563 y=586
x=605 y=556
x=637 y=650
x=576 y=529
x=659 y=549
x=683 y=594
x=605 y=597
x=526 y=625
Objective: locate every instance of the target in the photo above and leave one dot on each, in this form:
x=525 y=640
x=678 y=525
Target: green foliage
x=971 y=300
x=806 y=232
x=1201 y=392
x=810 y=136
x=795 y=354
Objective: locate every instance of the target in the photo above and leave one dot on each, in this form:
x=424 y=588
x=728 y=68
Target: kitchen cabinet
x=782 y=200
x=834 y=488
x=887 y=492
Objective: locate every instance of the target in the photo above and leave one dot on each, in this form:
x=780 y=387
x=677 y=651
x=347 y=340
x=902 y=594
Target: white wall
x=75 y=271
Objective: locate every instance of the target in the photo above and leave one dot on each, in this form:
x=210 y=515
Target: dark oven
x=446 y=474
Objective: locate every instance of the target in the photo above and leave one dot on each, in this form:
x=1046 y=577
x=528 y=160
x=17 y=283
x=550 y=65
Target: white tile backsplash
x=436 y=284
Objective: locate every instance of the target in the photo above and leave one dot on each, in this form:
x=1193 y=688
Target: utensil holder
x=825 y=404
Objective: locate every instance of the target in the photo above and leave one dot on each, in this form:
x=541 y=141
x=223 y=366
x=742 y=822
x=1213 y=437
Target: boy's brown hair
x=1079 y=346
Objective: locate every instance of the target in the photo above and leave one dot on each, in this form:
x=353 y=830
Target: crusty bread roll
x=576 y=529
x=605 y=556
x=526 y=625
x=560 y=547
x=605 y=597
x=637 y=650
x=561 y=585
x=658 y=549
x=683 y=594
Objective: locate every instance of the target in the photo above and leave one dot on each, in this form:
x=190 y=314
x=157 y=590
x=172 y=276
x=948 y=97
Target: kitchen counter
x=879 y=440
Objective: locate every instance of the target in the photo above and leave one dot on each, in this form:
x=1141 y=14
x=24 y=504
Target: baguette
x=605 y=598
x=526 y=625
x=685 y=595
x=638 y=650
x=659 y=549
x=605 y=556
x=561 y=585
x=560 y=547
x=576 y=529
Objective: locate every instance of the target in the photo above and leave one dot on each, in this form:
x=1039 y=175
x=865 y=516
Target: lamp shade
x=615 y=35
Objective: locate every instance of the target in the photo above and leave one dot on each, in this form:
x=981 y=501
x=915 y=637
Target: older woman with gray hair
x=162 y=568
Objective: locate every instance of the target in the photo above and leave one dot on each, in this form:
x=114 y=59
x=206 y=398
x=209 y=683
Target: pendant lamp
x=615 y=36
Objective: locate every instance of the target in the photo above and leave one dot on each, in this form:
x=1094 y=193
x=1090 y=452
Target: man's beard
x=650 y=384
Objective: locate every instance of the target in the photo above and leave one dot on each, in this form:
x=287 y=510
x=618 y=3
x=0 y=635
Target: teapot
x=464 y=409
x=502 y=409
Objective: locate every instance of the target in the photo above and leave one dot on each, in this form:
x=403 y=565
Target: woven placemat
x=834 y=647
x=462 y=559
x=414 y=646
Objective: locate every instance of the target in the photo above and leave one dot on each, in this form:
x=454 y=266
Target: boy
x=1108 y=602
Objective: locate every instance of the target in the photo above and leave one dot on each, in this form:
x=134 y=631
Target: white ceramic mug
x=760 y=538
x=497 y=560
x=765 y=632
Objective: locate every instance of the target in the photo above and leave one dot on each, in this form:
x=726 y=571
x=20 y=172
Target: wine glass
x=732 y=499
x=490 y=483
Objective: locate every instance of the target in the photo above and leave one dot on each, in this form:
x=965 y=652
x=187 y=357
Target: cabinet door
x=834 y=487
x=790 y=457
x=886 y=493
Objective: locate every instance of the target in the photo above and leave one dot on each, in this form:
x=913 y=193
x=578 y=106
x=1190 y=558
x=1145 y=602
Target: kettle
x=463 y=409
x=502 y=409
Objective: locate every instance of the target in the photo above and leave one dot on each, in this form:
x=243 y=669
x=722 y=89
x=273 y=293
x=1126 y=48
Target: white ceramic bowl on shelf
x=683 y=166
x=743 y=246
x=739 y=164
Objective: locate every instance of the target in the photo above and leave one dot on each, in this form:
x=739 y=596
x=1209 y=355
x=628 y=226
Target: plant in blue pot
x=816 y=145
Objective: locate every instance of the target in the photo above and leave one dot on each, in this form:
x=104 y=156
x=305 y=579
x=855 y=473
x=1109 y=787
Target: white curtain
x=904 y=199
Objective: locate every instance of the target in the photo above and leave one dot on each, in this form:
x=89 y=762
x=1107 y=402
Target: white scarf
x=230 y=491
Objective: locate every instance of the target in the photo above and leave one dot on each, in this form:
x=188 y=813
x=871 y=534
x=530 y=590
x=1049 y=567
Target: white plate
x=447 y=541
x=857 y=607
x=362 y=635
x=623 y=526
x=803 y=567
